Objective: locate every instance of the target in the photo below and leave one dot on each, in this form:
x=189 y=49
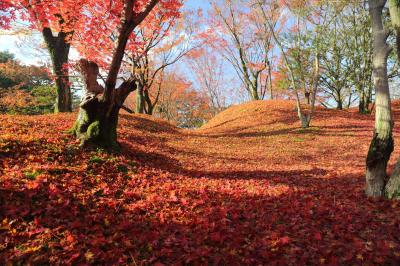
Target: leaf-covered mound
x=249 y=188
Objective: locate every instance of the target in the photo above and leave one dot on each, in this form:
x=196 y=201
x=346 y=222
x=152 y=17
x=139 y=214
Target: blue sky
x=197 y=4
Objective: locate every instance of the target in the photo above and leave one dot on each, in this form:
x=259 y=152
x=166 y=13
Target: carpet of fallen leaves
x=249 y=188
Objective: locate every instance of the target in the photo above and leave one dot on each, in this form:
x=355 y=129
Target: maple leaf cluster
x=90 y=25
x=7 y=14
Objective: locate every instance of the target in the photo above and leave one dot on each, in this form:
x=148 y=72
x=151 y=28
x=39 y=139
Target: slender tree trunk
x=349 y=100
x=305 y=119
x=150 y=105
x=139 y=100
x=271 y=93
x=307 y=97
x=364 y=104
x=361 y=104
x=394 y=9
x=59 y=52
x=392 y=189
x=382 y=143
x=254 y=94
x=339 y=105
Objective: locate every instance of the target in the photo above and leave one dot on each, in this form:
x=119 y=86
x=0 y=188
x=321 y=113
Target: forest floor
x=249 y=188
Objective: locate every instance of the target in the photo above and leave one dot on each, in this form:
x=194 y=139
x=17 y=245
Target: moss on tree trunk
x=378 y=156
x=96 y=127
x=97 y=120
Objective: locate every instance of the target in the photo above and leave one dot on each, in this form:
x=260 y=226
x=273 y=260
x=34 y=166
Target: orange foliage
x=249 y=188
x=16 y=97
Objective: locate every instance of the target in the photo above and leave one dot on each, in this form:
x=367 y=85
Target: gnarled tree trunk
x=98 y=119
x=382 y=143
x=98 y=116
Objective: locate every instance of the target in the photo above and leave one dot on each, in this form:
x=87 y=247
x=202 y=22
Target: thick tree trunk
x=59 y=52
x=95 y=126
x=382 y=143
x=377 y=159
x=98 y=119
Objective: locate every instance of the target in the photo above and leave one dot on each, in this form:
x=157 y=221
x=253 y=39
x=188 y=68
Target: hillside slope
x=248 y=188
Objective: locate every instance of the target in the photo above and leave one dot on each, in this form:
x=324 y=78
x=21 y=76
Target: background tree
x=57 y=21
x=209 y=73
x=98 y=116
x=296 y=53
x=244 y=42
x=157 y=46
x=181 y=104
x=24 y=89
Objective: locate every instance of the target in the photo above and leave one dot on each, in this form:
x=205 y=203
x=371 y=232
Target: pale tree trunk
x=59 y=51
x=382 y=143
x=98 y=119
x=394 y=9
x=305 y=122
x=392 y=189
